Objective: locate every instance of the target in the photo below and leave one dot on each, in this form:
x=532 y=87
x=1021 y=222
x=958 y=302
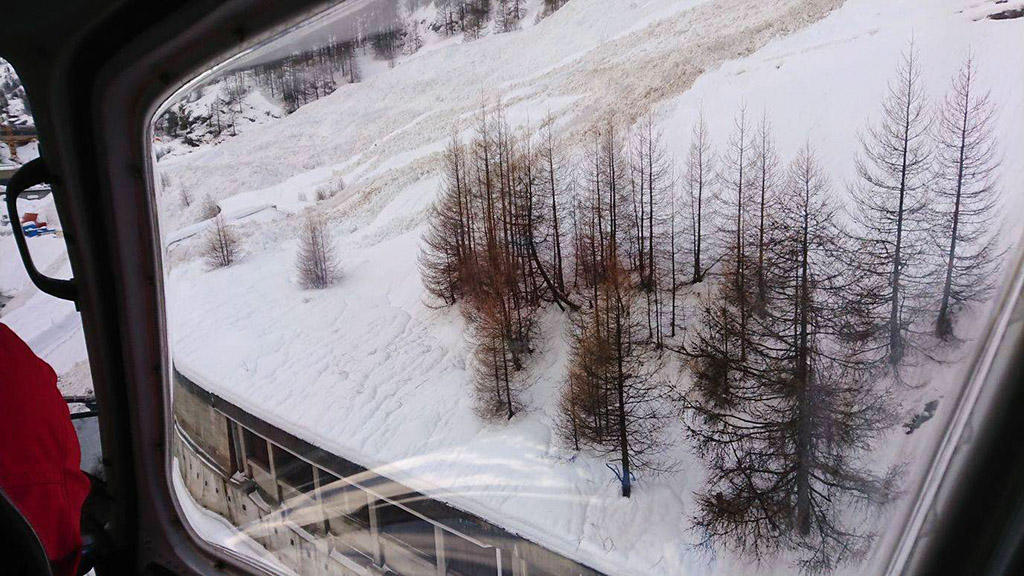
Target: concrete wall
x=207 y=427
x=203 y=447
x=293 y=546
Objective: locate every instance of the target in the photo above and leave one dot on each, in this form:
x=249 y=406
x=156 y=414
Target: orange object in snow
x=33 y=217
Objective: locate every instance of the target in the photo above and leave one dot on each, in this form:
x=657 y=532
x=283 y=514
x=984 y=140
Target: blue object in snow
x=31 y=230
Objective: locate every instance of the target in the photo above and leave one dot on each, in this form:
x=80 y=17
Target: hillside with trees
x=815 y=306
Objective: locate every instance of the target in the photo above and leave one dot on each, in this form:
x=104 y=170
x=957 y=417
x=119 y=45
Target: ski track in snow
x=365 y=369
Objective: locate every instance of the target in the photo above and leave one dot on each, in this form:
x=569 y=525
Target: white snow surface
x=52 y=328
x=369 y=370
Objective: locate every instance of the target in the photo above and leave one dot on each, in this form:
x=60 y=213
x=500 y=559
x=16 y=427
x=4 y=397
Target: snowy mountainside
x=214 y=113
x=371 y=370
x=14 y=109
x=15 y=115
x=228 y=104
x=581 y=58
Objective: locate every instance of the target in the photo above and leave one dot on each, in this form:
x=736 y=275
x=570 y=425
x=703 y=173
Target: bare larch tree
x=448 y=243
x=785 y=429
x=699 y=170
x=554 y=182
x=890 y=212
x=736 y=229
x=481 y=245
x=496 y=378
x=317 y=260
x=766 y=181
x=612 y=401
x=651 y=184
x=220 y=246
x=967 y=199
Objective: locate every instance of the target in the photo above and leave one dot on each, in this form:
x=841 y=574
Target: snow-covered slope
x=586 y=58
x=368 y=370
x=14 y=108
x=52 y=328
x=217 y=117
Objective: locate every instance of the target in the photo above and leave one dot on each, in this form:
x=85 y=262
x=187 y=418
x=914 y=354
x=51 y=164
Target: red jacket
x=39 y=453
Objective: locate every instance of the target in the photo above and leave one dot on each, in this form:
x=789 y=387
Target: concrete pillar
x=518 y=563
x=241 y=450
x=378 y=556
x=273 y=473
x=442 y=563
x=319 y=497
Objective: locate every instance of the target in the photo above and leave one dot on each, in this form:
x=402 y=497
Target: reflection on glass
x=44 y=235
x=584 y=287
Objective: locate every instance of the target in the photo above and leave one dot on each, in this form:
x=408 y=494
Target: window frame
x=97 y=90
x=95 y=93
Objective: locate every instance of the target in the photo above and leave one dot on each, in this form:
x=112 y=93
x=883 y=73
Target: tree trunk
x=944 y=323
x=804 y=418
x=895 y=334
x=620 y=390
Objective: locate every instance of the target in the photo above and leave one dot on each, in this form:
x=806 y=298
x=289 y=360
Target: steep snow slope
x=368 y=370
x=823 y=85
x=230 y=118
x=588 y=55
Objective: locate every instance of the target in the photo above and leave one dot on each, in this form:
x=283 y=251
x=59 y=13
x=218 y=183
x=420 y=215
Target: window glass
x=52 y=328
x=408 y=529
x=295 y=473
x=256 y=449
x=583 y=287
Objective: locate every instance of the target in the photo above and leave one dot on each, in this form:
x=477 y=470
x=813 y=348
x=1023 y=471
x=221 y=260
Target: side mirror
x=32 y=174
